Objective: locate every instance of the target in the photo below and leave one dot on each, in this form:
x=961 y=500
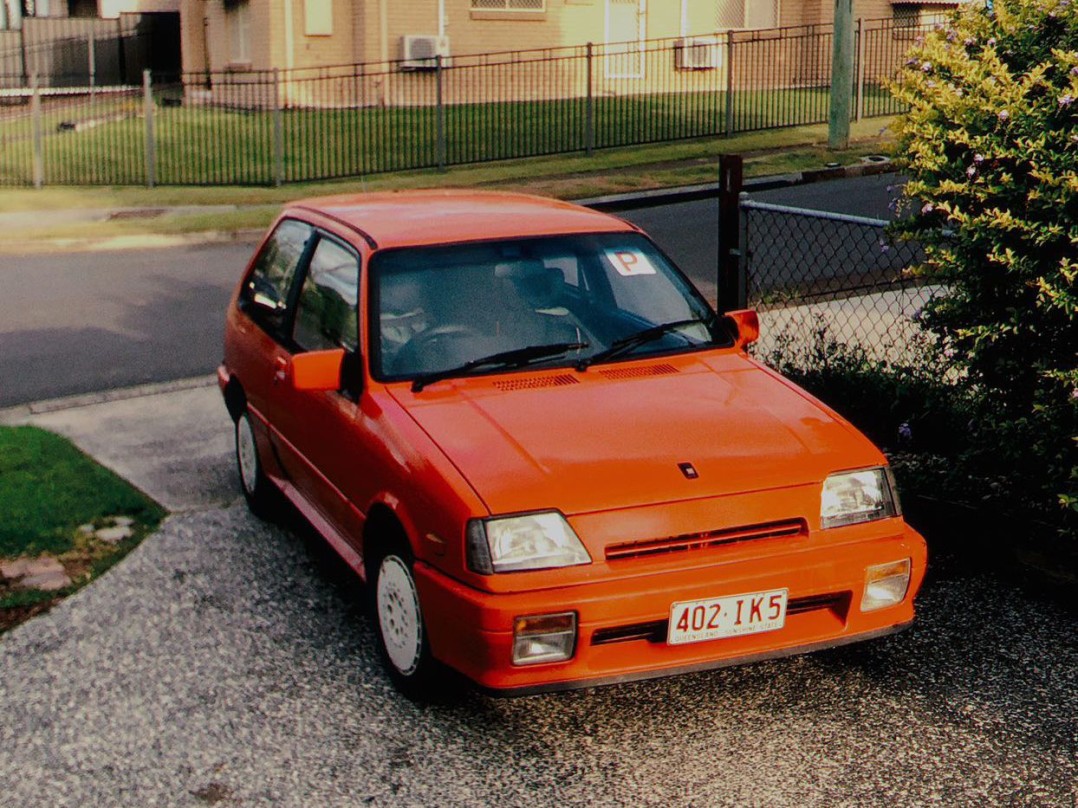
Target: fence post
x=151 y=140
x=838 y=123
x=91 y=50
x=38 y=132
x=729 y=83
x=860 y=109
x=22 y=53
x=278 y=131
x=589 y=106
x=730 y=292
x=121 y=53
x=441 y=144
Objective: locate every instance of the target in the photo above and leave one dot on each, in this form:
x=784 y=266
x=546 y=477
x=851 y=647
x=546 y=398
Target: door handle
x=281 y=372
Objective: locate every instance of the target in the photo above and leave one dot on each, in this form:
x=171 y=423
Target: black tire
x=263 y=499
x=397 y=615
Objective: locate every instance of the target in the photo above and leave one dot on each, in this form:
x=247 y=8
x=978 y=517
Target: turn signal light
x=544 y=638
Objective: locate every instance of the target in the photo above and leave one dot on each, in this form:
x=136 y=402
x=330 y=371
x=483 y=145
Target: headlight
x=858 y=496
x=532 y=541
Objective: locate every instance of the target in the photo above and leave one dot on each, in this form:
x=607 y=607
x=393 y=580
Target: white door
x=625 y=38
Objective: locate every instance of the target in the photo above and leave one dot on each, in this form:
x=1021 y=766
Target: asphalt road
x=85 y=322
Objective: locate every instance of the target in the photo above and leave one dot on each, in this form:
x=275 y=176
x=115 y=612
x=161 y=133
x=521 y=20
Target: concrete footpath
x=173 y=441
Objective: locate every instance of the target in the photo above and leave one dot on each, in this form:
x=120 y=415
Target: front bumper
x=622 y=621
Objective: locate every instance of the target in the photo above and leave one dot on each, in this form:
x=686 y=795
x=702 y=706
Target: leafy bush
x=900 y=405
x=990 y=143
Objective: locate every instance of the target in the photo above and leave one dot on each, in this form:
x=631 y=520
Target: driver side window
x=326 y=314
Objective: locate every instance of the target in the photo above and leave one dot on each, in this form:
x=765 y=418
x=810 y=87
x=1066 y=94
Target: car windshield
x=453 y=310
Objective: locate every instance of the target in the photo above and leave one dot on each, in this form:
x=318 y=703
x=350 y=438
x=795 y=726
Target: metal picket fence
x=820 y=280
x=278 y=126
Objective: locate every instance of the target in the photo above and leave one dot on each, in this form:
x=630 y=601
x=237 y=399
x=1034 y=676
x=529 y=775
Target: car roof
x=414 y=218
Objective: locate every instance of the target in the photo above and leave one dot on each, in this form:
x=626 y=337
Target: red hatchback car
x=552 y=462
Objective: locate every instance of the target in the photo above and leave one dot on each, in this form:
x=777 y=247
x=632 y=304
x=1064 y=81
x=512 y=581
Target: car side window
x=326 y=314
x=270 y=281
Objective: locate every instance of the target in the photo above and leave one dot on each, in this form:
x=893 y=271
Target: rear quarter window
x=271 y=278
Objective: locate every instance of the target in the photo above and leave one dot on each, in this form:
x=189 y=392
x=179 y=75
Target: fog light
x=544 y=638
x=885 y=585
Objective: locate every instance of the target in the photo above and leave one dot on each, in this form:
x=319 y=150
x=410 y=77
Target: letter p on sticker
x=629 y=263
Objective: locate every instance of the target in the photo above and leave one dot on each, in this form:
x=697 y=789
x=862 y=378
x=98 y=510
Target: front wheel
x=398 y=620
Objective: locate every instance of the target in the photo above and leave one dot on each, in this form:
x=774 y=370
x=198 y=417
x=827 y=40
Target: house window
x=751 y=14
x=508 y=5
x=319 y=17
x=238 y=22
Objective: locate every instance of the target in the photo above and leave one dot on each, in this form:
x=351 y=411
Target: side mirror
x=746 y=326
x=318 y=370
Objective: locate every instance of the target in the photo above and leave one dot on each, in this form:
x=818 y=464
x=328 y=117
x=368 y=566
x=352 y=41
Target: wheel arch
x=235 y=398
x=383 y=528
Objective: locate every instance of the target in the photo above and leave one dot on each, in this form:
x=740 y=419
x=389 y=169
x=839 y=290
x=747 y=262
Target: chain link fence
x=824 y=281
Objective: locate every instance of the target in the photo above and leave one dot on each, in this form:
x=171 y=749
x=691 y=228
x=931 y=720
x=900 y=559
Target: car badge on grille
x=689 y=470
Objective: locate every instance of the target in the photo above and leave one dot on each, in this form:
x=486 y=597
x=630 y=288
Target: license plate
x=732 y=616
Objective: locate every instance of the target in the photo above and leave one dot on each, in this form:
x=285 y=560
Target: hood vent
x=791 y=528
x=635 y=373
x=534 y=383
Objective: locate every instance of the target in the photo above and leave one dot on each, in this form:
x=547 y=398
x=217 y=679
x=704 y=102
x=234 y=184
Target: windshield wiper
x=626 y=344
x=504 y=360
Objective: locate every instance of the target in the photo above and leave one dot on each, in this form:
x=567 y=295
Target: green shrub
x=990 y=143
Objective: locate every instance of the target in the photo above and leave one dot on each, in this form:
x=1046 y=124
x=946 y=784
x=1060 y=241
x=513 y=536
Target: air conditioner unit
x=418 y=52
x=697 y=53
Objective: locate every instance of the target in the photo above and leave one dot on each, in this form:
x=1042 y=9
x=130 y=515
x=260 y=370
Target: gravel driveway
x=225 y=661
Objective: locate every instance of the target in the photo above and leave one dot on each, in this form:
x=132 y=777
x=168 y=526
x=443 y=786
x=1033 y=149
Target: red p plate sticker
x=630 y=262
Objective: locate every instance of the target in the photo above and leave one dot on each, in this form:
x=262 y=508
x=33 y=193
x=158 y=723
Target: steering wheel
x=427 y=350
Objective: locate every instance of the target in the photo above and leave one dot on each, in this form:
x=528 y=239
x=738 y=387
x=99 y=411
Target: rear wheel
x=259 y=492
x=398 y=621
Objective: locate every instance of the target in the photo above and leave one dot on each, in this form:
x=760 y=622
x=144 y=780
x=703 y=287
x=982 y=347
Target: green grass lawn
x=48 y=488
x=216 y=146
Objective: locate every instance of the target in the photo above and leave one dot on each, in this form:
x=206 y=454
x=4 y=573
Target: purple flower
x=927 y=208
x=1004 y=115
x=1066 y=100
x=978 y=158
x=905 y=434
x=1074 y=393
x=926 y=67
x=991 y=42
x=970 y=42
x=971 y=172
x=1074 y=70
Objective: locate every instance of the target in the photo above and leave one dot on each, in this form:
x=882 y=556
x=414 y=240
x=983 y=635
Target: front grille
x=652 y=632
x=655 y=631
x=838 y=602
x=713 y=538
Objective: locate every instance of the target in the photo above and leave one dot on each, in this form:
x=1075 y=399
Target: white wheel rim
x=247 y=454
x=398 y=615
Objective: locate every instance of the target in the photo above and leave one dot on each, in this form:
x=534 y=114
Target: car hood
x=614 y=436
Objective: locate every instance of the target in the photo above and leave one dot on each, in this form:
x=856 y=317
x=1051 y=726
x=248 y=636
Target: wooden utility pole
x=838 y=125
